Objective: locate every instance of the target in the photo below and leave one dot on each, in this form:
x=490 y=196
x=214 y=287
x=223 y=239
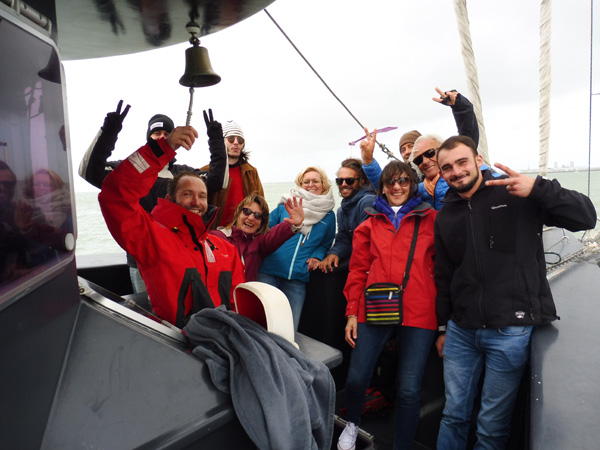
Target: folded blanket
x=283 y=399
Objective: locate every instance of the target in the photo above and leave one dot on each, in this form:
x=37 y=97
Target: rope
x=545 y=83
x=383 y=148
x=462 y=17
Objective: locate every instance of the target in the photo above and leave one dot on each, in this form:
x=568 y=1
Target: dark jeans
x=414 y=345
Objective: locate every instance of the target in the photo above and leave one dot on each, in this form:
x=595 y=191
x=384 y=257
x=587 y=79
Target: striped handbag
x=383 y=301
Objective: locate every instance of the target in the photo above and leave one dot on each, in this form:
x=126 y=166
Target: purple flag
x=383 y=130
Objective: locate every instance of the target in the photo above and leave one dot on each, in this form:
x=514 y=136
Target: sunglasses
x=231 y=139
x=349 y=181
x=427 y=153
x=404 y=181
x=248 y=212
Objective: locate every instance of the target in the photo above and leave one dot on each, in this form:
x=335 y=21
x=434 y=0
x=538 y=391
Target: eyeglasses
x=427 y=153
x=404 y=181
x=308 y=182
x=231 y=139
x=248 y=212
x=349 y=181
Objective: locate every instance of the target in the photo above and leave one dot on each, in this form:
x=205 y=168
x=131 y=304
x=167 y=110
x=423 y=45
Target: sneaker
x=348 y=437
x=375 y=403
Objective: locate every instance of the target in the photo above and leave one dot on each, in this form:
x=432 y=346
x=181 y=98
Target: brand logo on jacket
x=499 y=206
x=520 y=315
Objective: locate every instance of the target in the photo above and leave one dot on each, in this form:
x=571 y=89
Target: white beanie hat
x=230 y=128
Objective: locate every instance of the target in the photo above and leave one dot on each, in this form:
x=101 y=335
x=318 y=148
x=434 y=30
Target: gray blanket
x=283 y=399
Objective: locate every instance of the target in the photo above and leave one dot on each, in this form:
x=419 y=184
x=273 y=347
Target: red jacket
x=181 y=276
x=379 y=254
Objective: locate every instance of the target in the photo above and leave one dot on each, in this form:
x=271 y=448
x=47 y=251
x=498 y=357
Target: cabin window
x=36 y=208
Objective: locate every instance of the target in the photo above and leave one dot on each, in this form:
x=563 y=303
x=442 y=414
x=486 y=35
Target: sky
x=382 y=58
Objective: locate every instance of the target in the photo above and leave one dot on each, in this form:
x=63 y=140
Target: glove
x=114 y=120
x=214 y=130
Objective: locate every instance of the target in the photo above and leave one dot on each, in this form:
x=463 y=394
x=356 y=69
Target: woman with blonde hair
x=249 y=230
x=288 y=267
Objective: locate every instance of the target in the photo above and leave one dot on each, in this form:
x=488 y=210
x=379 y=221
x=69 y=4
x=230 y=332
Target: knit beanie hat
x=230 y=128
x=409 y=137
x=159 y=122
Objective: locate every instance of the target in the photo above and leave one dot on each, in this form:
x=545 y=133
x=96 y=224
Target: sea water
x=94 y=237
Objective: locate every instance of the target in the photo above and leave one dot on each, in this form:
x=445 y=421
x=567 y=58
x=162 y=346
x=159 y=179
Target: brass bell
x=198 y=71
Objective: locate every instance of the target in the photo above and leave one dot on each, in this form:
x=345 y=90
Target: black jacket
x=490 y=269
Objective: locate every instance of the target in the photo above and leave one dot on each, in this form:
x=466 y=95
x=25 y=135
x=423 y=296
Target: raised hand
x=214 y=130
x=367 y=146
x=295 y=210
x=445 y=98
x=517 y=184
x=182 y=137
x=114 y=120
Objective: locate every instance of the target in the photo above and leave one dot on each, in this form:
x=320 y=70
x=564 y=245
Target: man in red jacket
x=184 y=269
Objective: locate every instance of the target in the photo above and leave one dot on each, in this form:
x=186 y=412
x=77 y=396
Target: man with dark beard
x=357 y=194
x=491 y=284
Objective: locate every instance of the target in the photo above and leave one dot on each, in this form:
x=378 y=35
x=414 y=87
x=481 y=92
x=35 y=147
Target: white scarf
x=52 y=208
x=315 y=206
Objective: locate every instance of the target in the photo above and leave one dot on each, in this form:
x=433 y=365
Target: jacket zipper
x=478 y=265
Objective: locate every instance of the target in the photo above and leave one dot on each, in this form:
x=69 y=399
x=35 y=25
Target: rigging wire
x=383 y=148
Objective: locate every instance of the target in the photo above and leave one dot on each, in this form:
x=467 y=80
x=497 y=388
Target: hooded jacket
x=183 y=268
x=94 y=168
x=490 y=269
x=380 y=254
x=350 y=214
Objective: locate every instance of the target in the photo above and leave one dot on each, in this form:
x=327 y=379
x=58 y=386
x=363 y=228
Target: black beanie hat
x=159 y=122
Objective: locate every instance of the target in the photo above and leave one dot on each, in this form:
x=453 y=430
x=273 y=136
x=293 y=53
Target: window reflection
x=36 y=215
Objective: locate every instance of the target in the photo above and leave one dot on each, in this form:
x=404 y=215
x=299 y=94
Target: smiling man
x=433 y=188
x=184 y=269
x=492 y=289
x=357 y=194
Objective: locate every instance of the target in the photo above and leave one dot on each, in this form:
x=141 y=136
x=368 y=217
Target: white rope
x=545 y=83
x=462 y=17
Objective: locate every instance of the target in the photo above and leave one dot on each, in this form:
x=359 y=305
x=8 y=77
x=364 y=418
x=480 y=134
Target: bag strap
x=411 y=253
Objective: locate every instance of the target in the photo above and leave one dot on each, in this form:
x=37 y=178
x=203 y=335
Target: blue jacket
x=441 y=187
x=289 y=261
x=350 y=214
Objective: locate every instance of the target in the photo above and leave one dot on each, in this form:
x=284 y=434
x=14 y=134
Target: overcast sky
x=383 y=58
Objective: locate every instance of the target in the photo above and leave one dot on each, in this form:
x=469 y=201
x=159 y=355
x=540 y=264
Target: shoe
x=375 y=403
x=348 y=437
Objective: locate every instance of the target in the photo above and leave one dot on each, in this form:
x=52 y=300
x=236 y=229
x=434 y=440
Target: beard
x=465 y=187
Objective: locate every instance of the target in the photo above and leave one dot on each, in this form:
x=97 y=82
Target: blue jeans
x=414 y=345
x=294 y=290
x=136 y=280
x=505 y=352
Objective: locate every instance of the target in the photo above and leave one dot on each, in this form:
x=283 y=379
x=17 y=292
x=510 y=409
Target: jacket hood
x=350 y=203
x=171 y=215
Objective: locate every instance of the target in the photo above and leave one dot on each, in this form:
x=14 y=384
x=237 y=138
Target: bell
x=198 y=71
